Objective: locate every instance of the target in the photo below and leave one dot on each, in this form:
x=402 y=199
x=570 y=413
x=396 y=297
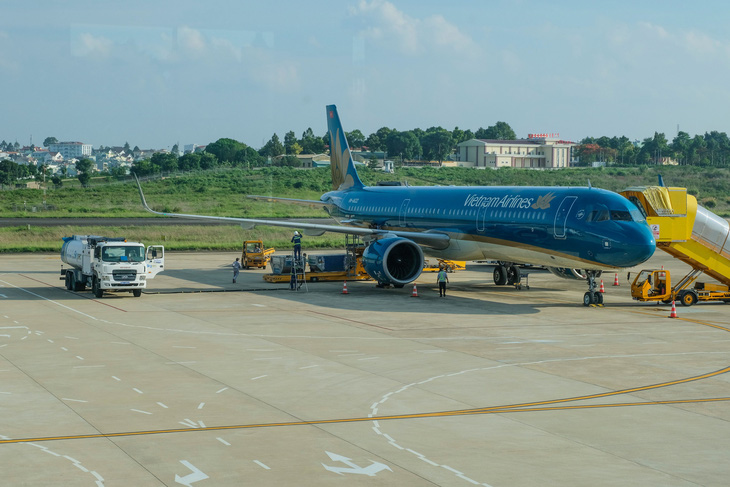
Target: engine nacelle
x=566 y=273
x=395 y=261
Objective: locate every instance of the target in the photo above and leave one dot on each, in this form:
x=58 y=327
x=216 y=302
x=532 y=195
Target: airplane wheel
x=599 y=298
x=588 y=298
x=513 y=274
x=500 y=275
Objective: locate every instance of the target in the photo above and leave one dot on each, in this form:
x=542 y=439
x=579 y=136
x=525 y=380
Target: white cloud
x=191 y=40
x=393 y=28
x=87 y=44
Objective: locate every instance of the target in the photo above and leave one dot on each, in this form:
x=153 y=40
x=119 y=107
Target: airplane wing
x=431 y=239
x=273 y=199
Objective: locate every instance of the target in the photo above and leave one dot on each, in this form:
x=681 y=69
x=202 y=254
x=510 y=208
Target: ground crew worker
x=236 y=269
x=297 y=240
x=442 y=278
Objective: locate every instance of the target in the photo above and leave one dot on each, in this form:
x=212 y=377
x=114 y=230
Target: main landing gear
x=506 y=273
x=592 y=296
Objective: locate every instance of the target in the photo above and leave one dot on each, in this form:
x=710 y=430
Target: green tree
x=8 y=172
x=437 y=143
x=166 y=162
x=273 y=147
x=498 y=131
x=373 y=143
x=50 y=140
x=126 y=148
x=290 y=139
x=84 y=167
x=355 y=139
x=57 y=181
x=225 y=150
x=403 y=144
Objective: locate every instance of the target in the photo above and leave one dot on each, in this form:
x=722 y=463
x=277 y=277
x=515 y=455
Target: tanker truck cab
x=109 y=264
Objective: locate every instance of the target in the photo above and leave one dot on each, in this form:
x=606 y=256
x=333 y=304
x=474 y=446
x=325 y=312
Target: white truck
x=109 y=264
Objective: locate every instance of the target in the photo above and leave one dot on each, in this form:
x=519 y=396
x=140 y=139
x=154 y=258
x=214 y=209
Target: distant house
x=537 y=151
x=70 y=150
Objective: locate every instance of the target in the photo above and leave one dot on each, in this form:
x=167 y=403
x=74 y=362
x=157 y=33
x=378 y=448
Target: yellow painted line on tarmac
x=494 y=410
x=521 y=407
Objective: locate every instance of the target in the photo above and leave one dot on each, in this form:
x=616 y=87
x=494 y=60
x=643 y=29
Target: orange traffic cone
x=415 y=292
x=673 y=314
x=615 y=280
x=344 y=288
x=601 y=290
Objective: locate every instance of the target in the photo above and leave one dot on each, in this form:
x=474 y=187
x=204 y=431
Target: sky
x=157 y=73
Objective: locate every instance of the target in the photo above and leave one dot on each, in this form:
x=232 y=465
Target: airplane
x=575 y=232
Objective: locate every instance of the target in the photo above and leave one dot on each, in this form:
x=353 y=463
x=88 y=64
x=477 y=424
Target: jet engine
x=566 y=273
x=393 y=260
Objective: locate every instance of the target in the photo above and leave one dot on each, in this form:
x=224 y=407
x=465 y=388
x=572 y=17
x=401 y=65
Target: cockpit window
x=639 y=208
x=620 y=216
x=599 y=214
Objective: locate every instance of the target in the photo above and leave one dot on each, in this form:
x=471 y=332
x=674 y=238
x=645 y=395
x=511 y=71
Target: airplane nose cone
x=641 y=247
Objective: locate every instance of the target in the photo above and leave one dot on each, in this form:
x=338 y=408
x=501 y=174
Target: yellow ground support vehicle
x=656 y=285
x=255 y=255
x=449 y=265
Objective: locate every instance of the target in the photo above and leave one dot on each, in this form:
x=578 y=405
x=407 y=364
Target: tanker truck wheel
x=137 y=293
x=96 y=288
x=68 y=281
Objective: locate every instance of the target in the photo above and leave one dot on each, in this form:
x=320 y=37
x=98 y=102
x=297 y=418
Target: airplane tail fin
x=344 y=175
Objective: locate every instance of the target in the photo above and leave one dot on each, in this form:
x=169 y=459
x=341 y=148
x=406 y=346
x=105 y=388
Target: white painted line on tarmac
x=88 y=366
x=137 y=390
x=308 y=367
x=179 y=363
x=116 y=378
x=72 y=400
x=261 y=465
x=369 y=358
x=72 y=338
x=8 y=393
x=140 y=411
x=268 y=358
x=180 y=346
x=221 y=390
x=64 y=349
x=259 y=377
x=79 y=357
x=162 y=405
x=200 y=406
x=259 y=349
x=223 y=441
x=258 y=305
x=50 y=341
x=121 y=343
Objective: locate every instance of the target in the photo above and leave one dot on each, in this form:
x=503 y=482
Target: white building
x=537 y=151
x=69 y=150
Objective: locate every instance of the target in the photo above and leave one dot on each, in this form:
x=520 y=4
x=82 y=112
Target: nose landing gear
x=592 y=296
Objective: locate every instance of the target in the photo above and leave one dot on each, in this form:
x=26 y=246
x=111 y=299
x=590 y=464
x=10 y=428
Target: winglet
x=344 y=175
x=661 y=180
x=141 y=195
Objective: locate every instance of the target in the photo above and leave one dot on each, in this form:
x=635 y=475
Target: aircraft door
x=402 y=213
x=155 y=260
x=561 y=217
x=481 y=216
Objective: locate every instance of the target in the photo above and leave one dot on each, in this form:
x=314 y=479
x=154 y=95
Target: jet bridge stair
x=685 y=229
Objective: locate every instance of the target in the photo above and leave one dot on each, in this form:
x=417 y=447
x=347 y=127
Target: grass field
x=183 y=237
x=223 y=192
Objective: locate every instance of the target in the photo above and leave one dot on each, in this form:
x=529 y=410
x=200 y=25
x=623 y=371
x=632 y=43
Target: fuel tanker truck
x=109 y=264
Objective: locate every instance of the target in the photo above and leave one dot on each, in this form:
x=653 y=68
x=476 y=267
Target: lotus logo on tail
x=543 y=202
x=339 y=158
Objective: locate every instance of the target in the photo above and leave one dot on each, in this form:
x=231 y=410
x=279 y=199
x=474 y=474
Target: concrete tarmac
x=204 y=382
